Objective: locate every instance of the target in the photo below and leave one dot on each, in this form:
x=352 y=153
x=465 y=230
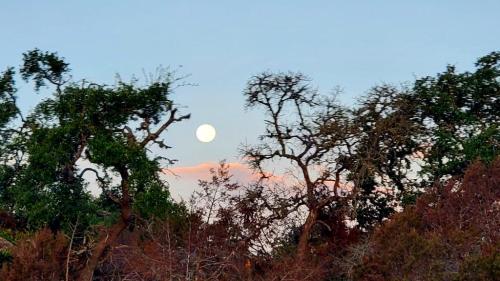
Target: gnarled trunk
x=105 y=241
x=108 y=238
x=303 y=247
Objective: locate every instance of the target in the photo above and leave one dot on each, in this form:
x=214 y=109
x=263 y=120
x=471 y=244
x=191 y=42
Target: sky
x=353 y=45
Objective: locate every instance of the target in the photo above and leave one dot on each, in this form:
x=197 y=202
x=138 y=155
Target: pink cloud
x=184 y=179
x=240 y=171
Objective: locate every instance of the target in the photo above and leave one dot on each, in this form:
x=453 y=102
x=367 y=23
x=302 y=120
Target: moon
x=205 y=133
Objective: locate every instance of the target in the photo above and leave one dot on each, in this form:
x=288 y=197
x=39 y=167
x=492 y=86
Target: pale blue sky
x=351 y=44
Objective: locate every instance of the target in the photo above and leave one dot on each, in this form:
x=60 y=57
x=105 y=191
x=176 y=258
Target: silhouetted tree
x=384 y=155
x=296 y=120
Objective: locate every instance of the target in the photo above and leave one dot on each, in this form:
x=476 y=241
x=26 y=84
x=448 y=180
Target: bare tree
x=309 y=132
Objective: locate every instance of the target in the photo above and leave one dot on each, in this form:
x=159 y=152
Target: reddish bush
x=165 y=250
x=227 y=237
x=452 y=230
x=38 y=258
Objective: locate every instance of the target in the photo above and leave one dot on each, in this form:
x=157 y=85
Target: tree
x=382 y=158
x=106 y=129
x=297 y=117
x=461 y=113
x=10 y=161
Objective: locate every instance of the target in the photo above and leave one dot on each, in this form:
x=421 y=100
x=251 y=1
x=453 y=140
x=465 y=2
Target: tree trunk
x=105 y=241
x=303 y=247
x=108 y=238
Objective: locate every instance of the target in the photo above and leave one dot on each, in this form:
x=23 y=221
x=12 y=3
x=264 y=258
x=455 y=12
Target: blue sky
x=350 y=44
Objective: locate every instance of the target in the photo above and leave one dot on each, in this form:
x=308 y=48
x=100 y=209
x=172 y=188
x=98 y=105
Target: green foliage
x=157 y=203
x=7 y=174
x=82 y=122
x=43 y=67
x=7 y=235
x=461 y=112
x=8 y=108
x=5 y=256
x=372 y=209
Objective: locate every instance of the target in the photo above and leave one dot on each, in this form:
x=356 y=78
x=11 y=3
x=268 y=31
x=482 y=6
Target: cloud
x=184 y=179
x=240 y=171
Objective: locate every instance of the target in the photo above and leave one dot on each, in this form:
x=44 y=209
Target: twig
x=69 y=248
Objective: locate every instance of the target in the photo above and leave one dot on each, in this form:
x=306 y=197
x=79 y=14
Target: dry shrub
x=236 y=244
x=287 y=269
x=201 y=253
x=452 y=231
x=167 y=250
x=40 y=257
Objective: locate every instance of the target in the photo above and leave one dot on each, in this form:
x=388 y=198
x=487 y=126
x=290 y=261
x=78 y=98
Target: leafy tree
x=461 y=113
x=9 y=159
x=441 y=124
x=90 y=128
x=7 y=98
x=380 y=166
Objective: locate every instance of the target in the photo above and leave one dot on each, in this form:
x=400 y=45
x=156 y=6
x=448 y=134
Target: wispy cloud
x=184 y=179
x=241 y=172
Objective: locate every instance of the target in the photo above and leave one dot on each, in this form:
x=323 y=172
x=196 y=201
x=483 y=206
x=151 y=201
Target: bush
x=480 y=268
x=38 y=258
x=450 y=234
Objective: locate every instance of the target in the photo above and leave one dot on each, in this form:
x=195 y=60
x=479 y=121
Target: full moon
x=205 y=133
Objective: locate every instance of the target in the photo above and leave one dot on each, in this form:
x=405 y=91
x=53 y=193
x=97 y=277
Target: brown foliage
x=452 y=232
x=38 y=258
x=201 y=253
x=166 y=250
x=224 y=238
